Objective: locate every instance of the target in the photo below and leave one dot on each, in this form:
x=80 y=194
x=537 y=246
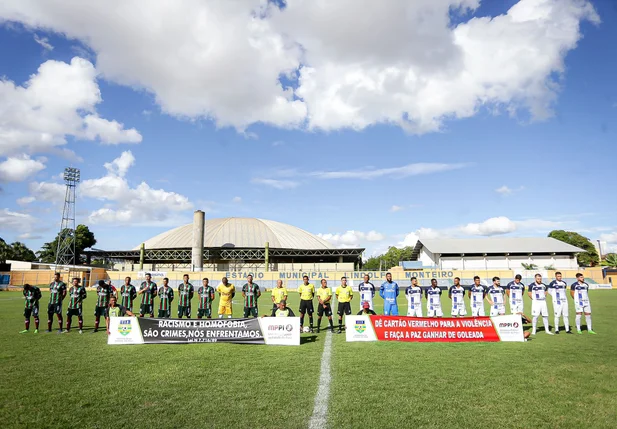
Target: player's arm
x=171 y=296
x=155 y=291
x=63 y=292
x=191 y=293
x=291 y=313
x=243 y=292
x=272 y=296
x=487 y=297
x=350 y=294
x=381 y=291
x=128 y=313
x=258 y=292
x=572 y=290
x=372 y=290
x=396 y=289
x=142 y=289
x=233 y=292
x=450 y=292
x=529 y=294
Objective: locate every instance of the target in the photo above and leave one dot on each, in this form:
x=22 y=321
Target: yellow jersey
x=344 y=294
x=279 y=293
x=324 y=293
x=307 y=292
x=226 y=292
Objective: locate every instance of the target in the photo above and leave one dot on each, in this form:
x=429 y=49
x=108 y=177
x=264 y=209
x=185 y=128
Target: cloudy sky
x=370 y=123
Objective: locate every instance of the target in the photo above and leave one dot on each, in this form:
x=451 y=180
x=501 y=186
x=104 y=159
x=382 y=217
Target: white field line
x=319 y=419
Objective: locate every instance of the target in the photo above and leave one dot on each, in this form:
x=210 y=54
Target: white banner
x=281 y=331
x=124 y=330
x=153 y=274
x=601 y=286
x=509 y=328
x=359 y=328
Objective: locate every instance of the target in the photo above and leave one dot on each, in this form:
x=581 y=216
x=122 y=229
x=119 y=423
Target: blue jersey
x=389 y=291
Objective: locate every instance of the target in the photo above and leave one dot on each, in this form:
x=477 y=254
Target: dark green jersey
x=185 y=292
x=32 y=296
x=77 y=294
x=206 y=296
x=57 y=291
x=147 y=298
x=166 y=294
x=251 y=293
x=102 y=295
x=128 y=294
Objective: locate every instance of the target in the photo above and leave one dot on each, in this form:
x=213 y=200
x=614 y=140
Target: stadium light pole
x=65 y=252
x=599 y=249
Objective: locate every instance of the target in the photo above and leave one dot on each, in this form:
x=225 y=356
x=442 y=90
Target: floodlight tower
x=65 y=253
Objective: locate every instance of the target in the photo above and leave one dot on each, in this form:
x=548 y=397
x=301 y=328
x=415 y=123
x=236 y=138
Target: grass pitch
x=77 y=381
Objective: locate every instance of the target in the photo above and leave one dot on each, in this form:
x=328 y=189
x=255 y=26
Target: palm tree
x=529 y=267
x=610 y=260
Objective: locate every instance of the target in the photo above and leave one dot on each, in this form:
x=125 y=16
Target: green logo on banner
x=360 y=326
x=124 y=327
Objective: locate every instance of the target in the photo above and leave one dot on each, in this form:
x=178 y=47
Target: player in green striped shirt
x=147 y=291
x=185 y=292
x=103 y=293
x=166 y=295
x=77 y=294
x=32 y=294
x=206 y=296
x=57 y=292
x=128 y=294
x=250 y=292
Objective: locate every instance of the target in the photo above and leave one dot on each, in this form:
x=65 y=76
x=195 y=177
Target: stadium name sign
x=353 y=275
x=464 y=329
x=268 y=330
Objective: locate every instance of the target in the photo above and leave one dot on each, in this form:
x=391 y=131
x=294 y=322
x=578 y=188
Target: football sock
x=566 y=322
x=331 y=323
x=319 y=323
x=556 y=323
x=49 y=322
x=96 y=323
x=578 y=322
x=69 y=320
x=311 y=321
x=36 y=323
x=534 y=324
x=301 y=319
x=545 y=320
x=27 y=323
x=588 y=320
x=81 y=323
x=59 y=322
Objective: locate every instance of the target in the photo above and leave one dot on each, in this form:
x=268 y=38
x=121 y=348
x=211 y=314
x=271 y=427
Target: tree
x=589 y=257
x=610 y=260
x=529 y=267
x=84 y=238
x=17 y=251
x=389 y=259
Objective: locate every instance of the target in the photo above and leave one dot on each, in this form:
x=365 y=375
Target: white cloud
x=609 y=237
x=109 y=132
x=411 y=238
x=44 y=42
x=275 y=183
x=47 y=191
x=120 y=165
x=19 y=168
x=392 y=172
x=493 y=226
x=504 y=190
x=16 y=221
x=29 y=236
x=236 y=200
x=374 y=236
x=352 y=238
x=24 y=201
x=358 y=62
x=395 y=208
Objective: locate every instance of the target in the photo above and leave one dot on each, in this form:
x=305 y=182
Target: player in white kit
x=580 y=293
x=537 y=293
x=557 y=288
x=414 y=299
x=367 y=292
x=495 y=297
x=433 y=300
x=516 y=291
x=476 y=296
x=457 y=295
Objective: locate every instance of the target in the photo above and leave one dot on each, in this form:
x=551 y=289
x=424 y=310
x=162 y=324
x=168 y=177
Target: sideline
x=319 y=419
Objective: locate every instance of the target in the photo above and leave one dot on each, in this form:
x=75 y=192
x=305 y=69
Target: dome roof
x=240 y=232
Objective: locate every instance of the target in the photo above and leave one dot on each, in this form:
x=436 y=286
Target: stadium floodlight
x=65 y=252
x=72 y=175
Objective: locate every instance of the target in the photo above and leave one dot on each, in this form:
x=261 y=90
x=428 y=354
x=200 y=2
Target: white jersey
x=433 y=298
x=516 y=292
x=367 y=292
x=414 y=296
x=477 y=296
x=558 y=290
x=458 y=296
x=538 y=292
x=496 y=293
x=581 y=293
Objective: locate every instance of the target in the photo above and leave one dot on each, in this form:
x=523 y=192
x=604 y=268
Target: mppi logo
x=124 y=327
x=287 y=328
x=509 y=325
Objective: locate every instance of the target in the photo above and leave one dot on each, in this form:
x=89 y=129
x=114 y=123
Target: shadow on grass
x=308 y=339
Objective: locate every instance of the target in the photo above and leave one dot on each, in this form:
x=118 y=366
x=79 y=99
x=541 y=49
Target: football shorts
x=164 y=314
x=477 y=311
x=74 y=312
x=184 y=311
x=516 y=307
x=204 y=312
x=250 y=310
x=390 y=308
x=539 y=308
x=146 y=309
x=498 y=310
x=324 y=309
x=459 y=310
x=54 y=308
x=34 y=311
x=561 y=309
x=306 y=306
x=225 y=308
x=414 y=311
x=344 y=308
x=100 y=311
x=582 y=307
x=434 y=311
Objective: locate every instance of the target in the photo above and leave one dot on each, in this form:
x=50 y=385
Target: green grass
x=78 y=381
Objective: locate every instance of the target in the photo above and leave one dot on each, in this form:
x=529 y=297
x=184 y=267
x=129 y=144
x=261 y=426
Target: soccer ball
x=306 y=329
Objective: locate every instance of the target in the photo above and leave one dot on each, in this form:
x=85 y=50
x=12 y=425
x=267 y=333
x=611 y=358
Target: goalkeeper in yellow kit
x=226 y=293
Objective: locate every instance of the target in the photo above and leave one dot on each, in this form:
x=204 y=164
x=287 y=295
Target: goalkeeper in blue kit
x=389 y=292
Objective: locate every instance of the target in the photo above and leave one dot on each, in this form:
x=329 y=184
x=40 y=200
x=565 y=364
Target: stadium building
x=496 y=253
x=234 y=244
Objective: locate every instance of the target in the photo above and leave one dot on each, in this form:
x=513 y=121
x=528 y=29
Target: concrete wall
x=506 y=262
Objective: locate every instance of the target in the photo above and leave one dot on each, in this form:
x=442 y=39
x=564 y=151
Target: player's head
x=102 y=283
x=324 y=283
x=476 y=280
x=580 y=277
x=56 y=277
x=112 y=301
x=518 y=278
x=366 y=305
x=127 y=280
x=75 y=281
x=148 y=277
x=279 y=283
x=165 y=281
x=305 y=279
x=366 y=278
x=27 y=286
x=457 y=281
x=249 y=278
x=205 y=281
x=224 y=281
x=282 y=304
x=389 y=277
x=185 y=278
x=344 y=281
x=414 y=281
x=558 y=276
x=496 y=281
x=538 y=278
x=433 y=282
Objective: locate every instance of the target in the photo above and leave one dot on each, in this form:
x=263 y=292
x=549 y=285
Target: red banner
x=467 y=329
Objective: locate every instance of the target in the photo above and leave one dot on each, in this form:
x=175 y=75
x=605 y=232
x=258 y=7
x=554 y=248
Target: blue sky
x=440 y=122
